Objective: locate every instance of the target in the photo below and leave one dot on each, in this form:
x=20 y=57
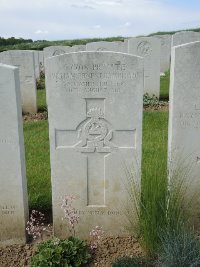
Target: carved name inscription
x=7 y=209
x=190 y=119
x=99 y=212
x=80 y=79
x=7 y=141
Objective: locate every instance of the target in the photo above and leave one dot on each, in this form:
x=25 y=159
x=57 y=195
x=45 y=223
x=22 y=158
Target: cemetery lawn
x=154 y=177
x=38 y=159
x=164 y=86
x=38 y=164
x=41 y=100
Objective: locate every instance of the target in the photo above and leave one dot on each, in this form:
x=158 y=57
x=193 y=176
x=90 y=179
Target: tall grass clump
x=164 y=212
x=178 y=244
x=153 y=205
x=162 y=205
x=179 y=248
x=153 y=201
x=146 y=210
x=181 y=195
x=147 y=190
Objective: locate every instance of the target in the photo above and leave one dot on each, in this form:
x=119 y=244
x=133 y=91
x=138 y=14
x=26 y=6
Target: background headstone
x=95 y=125
x=37 y=64
x=184 y=112
x=149 y=49
x=78 y=48
x=24 y=60
x=107 y=46
x=185 y=37
x=41 y=60
x=13 y=189
x=51 y=51
x=165 y=53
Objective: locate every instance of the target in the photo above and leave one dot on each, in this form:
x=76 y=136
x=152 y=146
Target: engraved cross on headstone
x=93 y=138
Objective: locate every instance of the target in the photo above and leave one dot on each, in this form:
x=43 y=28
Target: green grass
x=164 y=86
x=154 y=135
x=162 y=210
x=154 y=178
x=38 y=164
x=41 y=100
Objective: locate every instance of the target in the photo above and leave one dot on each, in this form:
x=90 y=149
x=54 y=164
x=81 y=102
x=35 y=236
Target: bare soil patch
x=110 y=249
x=163 y=106
x=35 y=117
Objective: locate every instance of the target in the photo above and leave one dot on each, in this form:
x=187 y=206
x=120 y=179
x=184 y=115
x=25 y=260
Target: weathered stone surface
x=41 y=61
x=13 y=189
x=165 y=54
x=95 y=127
x=184 y=113
x=149 y=49
x=37 y=64
x=51 y=51
x=185 y=37
x=107 y=46
x=78 y=48
x=24 y=60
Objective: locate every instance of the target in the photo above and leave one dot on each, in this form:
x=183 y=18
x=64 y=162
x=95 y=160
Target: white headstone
x=95 y=125
x=78 y=48
x=51 y=51
x=149 y=49
x=165 y=54
x=37 y=64
x=13 y=189
x=107 y=46
x=41 y=61
x=185 y=37
x=24 y=60
x=184 y=112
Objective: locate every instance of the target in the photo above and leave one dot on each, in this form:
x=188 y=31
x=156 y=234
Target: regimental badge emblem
x=144 y=48
x=58 y=52
x=95 y=134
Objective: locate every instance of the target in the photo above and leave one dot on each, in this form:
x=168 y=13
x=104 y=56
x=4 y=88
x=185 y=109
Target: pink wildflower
x=95 y=237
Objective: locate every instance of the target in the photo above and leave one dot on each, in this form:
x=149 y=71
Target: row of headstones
x=95 y=126
x=156 y=52
x=30 y=64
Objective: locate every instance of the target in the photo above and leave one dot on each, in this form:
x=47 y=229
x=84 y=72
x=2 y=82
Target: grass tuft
x=179 y=248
